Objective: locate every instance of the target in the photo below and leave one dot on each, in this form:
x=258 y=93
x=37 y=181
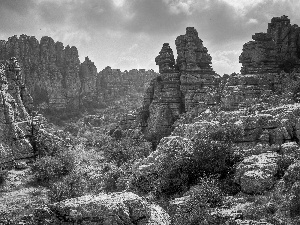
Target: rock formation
x=117 y=208
x=271 y=52
x=113 y=83
x=21 y=136
x=88 y=79
x=57 y=80
x=180 y=87
x=14 y=117
x=50 y=70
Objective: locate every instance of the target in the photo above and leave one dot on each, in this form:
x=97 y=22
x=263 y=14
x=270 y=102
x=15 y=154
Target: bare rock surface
x=117 y=208
x=14 y=117
x=183 y=84
x=256 y=173
x=273 y=51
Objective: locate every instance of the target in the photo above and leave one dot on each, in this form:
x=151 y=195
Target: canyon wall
x=57 y=80
x=15 y=103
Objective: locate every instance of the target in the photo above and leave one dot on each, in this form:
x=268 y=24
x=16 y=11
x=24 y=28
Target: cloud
x=225 y=61
x=16 y=16
x=53 y=13
x=127 y=33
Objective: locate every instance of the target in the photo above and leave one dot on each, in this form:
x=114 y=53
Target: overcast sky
x=129 y=34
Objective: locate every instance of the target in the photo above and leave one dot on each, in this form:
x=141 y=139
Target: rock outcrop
x=117 y=208
x=256 y=173
x=182 y=85
x=112 y=84
x=88 y=79
x=15 y=102
x=57 y=80
x=276 y=50
x=50 y=70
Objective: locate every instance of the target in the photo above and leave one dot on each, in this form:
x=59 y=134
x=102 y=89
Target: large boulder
x=122 y=208
x=256 y=173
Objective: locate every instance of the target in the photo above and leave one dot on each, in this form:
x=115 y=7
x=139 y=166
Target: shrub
x=210 y=157
x=70 y=187
x=194 y=207
x=126 y=150
x=181 y=162
x=3 y=176
x=52 y=167
x=207 y=191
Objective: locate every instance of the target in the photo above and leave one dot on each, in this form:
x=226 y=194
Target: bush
x=52 y=167
x=210 y=157
x=3 y=176
x=71 y=186
x=181 y=162
x=194 y=207
x=126 y=150
x=207 y=191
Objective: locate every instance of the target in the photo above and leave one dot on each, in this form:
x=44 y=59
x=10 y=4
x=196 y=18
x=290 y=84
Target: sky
x=128 y=34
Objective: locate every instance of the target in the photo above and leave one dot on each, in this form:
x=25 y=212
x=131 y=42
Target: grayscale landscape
x=149 y=112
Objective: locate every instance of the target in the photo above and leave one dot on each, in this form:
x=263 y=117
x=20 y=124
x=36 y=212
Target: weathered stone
x=50 y=71
x=117 y=208
x=189 y=83
x=14 y=118
x=88 y=78
x=256 y=173
x=273 y=51
x=112 y=84
x=165 y=60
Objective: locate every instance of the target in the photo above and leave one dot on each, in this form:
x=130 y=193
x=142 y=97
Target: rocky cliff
x=113 y=84
x=189 y=84
x=50 y=70
x=276 y=50
x=15 y=102
x=57 y=80
x=181 y=86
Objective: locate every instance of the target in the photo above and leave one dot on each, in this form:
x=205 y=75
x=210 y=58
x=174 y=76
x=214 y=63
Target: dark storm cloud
x=221 y=23
x=136 y=16
x=154 y=17
x=95 y=14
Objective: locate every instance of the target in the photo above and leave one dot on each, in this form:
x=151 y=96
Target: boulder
x=256 y=173
x=120 y=208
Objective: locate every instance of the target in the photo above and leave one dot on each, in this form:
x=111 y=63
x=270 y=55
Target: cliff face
x=50 y=70
x=180 y=87
x=276 y=50
x=88 y=79
x=189 y=84
x=15 y=102
x=57 y=80
x=112 y=84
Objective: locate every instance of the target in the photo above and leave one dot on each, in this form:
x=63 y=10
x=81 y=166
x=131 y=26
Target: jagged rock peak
x=192 y=55
x=274 y=51
x=165 y=60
